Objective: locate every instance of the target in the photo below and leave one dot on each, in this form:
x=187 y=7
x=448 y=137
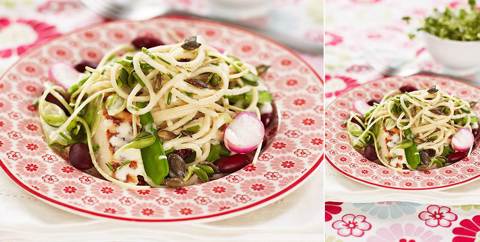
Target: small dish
x=458 y=57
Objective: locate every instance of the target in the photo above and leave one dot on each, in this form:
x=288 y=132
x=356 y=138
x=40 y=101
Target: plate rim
x=372 y=184
x=210 y=217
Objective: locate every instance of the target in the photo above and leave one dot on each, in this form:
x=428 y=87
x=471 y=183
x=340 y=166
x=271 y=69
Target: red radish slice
x=463 y=140
x=63 y=74
x=244 y=134
x=361 y=107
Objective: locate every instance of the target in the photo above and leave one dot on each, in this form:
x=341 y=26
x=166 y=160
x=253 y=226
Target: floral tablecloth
x=357 y=32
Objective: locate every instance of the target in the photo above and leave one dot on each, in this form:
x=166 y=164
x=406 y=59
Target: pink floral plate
x=296 y=149
x=349 y=162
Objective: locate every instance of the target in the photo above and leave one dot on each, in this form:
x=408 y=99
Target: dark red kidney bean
x=266 y=118
x=476 y=135
x=146 y=41
x=457 y=156
x=355 y=121
x=430 y=152
x=232 y=163
x=264 y=142
x=370 y=153
x=80 y=67
x=407 y=88
x=79 y=156
x=50 y=98
x=372 y=102
x=141 y=181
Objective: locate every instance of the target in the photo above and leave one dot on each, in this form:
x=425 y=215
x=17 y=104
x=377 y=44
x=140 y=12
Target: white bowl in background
x=460 y=57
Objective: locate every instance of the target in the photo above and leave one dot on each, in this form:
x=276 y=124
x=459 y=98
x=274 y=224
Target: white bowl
x=457 y=56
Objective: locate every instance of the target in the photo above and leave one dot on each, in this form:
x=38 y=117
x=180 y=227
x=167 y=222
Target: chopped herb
x=128 y=65
x=473 y=120
x=250 y=79
x=122 y=79
x=354 y=129
x=142 y=140
x=110 y=167
x=217 y=151
x=169 y=98
x=214 y=80
x=77 y=85
x=405 y=144
x=201 y=174
x=264 y=97
x=396 y=108
x=169 y=151
x=133 y=79
x=146 y=68
x=447 y=149
x=124 y=164
x=148 y=52
x=208 y=169
x=192 y=129
x=438 y=162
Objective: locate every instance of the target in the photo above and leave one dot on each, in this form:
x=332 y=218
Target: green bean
x=153 y=156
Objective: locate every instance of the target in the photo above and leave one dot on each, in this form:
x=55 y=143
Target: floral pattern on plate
x=27 y=160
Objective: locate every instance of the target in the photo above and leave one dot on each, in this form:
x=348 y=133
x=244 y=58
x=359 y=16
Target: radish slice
x=244 y=134
x=463 y=140
x=63 y=74
x=361 y=107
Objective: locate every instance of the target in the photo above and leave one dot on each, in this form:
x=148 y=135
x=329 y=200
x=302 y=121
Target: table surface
x=357 y=32
x=26 y=24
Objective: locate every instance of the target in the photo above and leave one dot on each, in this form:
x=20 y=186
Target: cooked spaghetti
x=415 y=130
x=155 y=115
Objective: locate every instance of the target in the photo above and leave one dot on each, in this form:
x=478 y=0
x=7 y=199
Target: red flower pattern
x=332 y=208
x=110 y=208
x=43 y=32
x=352 y=225
x=468 y=230
x=436 y=216
x=147 y=210
x=332 y=39
x=69 y=190
x=184 y=209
